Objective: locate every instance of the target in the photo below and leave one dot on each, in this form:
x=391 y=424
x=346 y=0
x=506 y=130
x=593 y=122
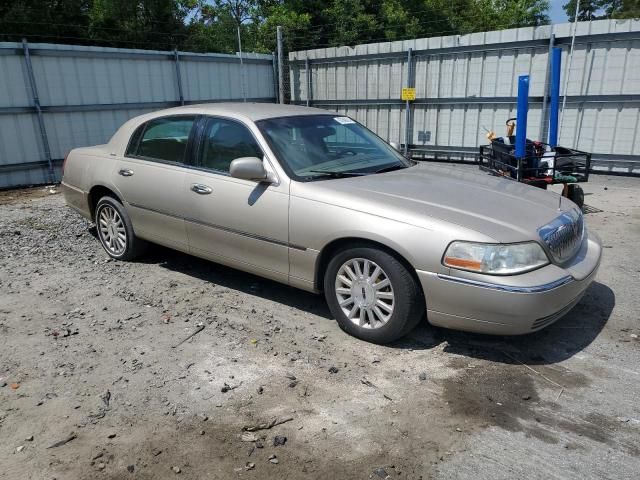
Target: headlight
x=495 y=259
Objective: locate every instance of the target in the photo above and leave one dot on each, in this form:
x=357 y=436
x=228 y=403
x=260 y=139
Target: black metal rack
x=499 y=159
x=569 y=167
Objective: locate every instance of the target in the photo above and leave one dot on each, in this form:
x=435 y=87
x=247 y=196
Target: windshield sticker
x=343 y=120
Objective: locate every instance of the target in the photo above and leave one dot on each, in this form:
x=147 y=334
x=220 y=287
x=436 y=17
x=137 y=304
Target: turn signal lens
x=495 y=259
x=463 y=263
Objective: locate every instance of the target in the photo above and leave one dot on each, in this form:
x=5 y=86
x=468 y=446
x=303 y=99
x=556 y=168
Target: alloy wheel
x=364 y=293
x=112 y=231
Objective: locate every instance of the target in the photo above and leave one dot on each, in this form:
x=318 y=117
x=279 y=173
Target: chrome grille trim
x=563 y=236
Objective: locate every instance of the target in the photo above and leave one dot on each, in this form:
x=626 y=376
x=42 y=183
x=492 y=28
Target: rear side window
x=163 y=139
x=135 y=141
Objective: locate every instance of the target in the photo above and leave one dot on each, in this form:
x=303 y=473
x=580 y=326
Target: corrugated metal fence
x=466 y=84
x=57 y=97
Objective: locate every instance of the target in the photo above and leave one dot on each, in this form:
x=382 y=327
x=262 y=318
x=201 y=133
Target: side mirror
x=395 y=145
x=249 y=168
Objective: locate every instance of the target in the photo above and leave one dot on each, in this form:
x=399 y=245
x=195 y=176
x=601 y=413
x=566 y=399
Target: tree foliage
x=212 y=25
x=602 y=9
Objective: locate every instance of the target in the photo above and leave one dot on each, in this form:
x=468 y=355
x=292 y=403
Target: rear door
x=151 y=176
x=241 y=223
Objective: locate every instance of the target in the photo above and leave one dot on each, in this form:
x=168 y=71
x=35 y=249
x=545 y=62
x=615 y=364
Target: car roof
x=251 y=111
x=246 y=111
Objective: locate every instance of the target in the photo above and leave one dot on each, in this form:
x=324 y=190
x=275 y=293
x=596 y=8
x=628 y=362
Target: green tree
x=212 y=25
x=587 y=10
x=296 y=28
x=350 y=22
x=515 y=13
x=218 y=34
x=157 y=24
x=601 y=9
x=403 y=19
x=62 y=21
x=241 y=11
x=624 y=9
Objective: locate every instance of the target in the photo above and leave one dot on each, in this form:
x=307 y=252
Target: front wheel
x=115 y=230
x=372 y=295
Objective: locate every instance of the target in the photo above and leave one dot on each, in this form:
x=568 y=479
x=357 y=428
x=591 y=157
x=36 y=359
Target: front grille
x=563 y=236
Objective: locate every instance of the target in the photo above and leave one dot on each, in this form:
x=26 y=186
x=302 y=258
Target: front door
x=236 y=222
x=151 y=175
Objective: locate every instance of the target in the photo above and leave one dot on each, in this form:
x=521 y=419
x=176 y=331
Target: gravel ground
x=95 y=382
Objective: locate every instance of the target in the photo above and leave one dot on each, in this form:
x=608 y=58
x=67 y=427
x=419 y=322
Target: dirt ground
x=90 y=354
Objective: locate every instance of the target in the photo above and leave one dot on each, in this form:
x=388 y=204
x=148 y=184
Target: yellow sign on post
x=408 y=94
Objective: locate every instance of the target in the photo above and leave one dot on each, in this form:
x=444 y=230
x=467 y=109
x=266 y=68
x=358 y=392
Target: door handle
x=201 y=189
x=126 y=172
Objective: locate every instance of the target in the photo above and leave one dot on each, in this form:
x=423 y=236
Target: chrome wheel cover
x=364 y=293
x=112 y=231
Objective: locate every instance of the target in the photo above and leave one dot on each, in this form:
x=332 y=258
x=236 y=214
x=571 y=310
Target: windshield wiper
x=336 y=173
x=391 y=168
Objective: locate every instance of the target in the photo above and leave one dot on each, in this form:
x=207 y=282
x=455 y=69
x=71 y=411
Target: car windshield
x=312 y=147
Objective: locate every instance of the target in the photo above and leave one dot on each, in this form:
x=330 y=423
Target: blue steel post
x=556 y=62
x=523 y=110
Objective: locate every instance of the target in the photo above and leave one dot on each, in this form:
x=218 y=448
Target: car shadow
x=237 y=280
x=560 y=341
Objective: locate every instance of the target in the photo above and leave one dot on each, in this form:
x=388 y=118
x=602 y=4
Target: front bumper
x=510 y=305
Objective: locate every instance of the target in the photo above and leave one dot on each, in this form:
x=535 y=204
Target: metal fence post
x=36 y=103
x=567 y=74
x=280 y=65
x=176 y=56
x=242 y=75
x=274 y=60
x=307 y=69
x=407 y=106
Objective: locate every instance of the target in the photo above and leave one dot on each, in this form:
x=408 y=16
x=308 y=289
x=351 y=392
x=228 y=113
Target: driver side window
x=224 y=141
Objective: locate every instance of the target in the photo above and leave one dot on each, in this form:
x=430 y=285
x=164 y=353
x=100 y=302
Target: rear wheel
x=115 y=230
x=372 y=295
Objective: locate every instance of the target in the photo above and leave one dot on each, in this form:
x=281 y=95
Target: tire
x=403 y=295
x=115 y=230
x=576 y=194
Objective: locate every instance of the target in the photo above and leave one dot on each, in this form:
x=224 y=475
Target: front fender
x=314 y=225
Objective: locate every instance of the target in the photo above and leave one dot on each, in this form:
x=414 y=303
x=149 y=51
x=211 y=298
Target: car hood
x=427 y=195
